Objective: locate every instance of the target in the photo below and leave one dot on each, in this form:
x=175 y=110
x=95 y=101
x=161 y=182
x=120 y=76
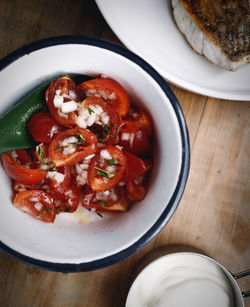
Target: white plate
x=148 y=29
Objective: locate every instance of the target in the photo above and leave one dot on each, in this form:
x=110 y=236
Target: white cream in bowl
x=184 y=280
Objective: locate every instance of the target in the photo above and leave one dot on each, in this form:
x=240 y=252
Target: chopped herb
x=42 y=161
x=41 y=213
x=78 y=131
x=80 y=140
x=83 y=93
x=106 y=128
x=28 y=163
x=76 y=143
x=40 y=152
x=101 y=172
x=98 y=213
x=112 y=162
x=104 y=173
x=116 y=133
x=103 y=140
x=48 y=209
x=90 y=111
x=59 y=148
x=102 y=202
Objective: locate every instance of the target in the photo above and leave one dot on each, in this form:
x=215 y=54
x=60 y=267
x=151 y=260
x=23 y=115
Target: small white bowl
x=186 y=279
x=71 y=245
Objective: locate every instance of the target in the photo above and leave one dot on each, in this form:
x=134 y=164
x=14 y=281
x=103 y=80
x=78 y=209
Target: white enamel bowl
x=75 y=243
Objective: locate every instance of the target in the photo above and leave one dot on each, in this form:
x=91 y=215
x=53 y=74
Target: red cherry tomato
x=107 y=88
x=120 y=204
x=135 y=168
x=83 y=146
x=105 y=133
x=69 y=201
x=43 y=127
x=105 y=173
x=37 y=203
x=60 y=187
x=133 y=139
x=20 y=172
x=136 y=192
x=65 y=84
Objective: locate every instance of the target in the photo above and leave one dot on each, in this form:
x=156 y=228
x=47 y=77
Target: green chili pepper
x=14 y=133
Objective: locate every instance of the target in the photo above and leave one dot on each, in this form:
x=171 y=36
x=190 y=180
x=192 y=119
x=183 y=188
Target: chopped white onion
x=125 y=136
x=72 y=94
x=68 y=141
x=34 y=199
x=104 y=153
x=110 y=168
x=112 y=96
x=69 y=106
x=89 y=157
x=131 y=139
x=58 y=177
x=68 y=150
x=38 y=206
x=14 y=154
x=58 y=101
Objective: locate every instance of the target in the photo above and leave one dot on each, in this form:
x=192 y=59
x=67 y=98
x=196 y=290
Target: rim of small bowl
x=185 y=161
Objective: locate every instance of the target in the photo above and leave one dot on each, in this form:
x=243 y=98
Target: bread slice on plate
x=218 y=29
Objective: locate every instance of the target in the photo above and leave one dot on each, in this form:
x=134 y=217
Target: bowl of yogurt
x=186 y=279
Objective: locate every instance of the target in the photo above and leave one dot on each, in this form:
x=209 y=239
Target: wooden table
x=213 y=215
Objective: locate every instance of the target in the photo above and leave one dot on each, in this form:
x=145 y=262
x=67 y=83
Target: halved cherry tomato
x=136 y=192
x=69 y=201
x=20 y=172
x=105 y=173
x=83 y=147
x=120 y=204
x=135 y=167
x=65 y=84
x=133 y=139
x=37 y=203
x=61 y=187
x=107 y=88
x=105 y=133
x=43 y=127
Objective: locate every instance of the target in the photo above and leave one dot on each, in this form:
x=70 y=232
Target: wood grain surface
x=214 y=213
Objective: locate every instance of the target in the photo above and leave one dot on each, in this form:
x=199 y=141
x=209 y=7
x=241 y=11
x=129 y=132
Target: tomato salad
x=92 y=148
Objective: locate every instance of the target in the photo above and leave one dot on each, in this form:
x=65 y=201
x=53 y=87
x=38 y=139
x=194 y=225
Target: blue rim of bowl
x=185 y=164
